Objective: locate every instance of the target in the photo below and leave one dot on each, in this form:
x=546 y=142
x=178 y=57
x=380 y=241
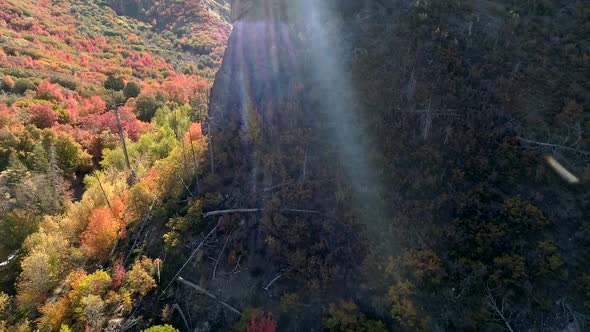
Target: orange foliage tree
x=101 y=234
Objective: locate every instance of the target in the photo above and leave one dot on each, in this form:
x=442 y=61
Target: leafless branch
x=177 y=308
x=554 y=146
x=141 y=227
x=184 y=184
x=236 y=267
x=499 y=310
x=571 y=314
x=274 y=279
x=102 y=189
x=221 y=253
x=190 y=258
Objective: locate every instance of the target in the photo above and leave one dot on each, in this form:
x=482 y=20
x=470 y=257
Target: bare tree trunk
x=499 y=310
x=273 y=281
x=185 y=186
x=177 y=308
x=122 y=137
x=190 y=137
x=210 y=146
x=221 y=253
x=102 y=189
x=204 y=291
x=190 y=257
x=221 y=212
x=304 y=165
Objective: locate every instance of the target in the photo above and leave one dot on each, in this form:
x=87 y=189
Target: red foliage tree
x=42 y=116
x=99 y=122
x=262 y=323
x=184 y=88
x=49 y=91
x=92 y=105
x=118 y=274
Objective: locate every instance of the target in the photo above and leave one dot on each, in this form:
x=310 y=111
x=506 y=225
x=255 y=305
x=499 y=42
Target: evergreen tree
x=131 y=90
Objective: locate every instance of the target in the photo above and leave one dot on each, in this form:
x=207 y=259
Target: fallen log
x=189 y=259
x=222 y=212
x=204 y=291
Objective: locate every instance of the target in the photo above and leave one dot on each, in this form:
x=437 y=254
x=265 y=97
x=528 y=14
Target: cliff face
x=271 y=142
x=395 y=151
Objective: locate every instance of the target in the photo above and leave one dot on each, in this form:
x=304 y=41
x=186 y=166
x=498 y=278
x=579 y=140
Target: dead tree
x=204 y=291
x=222 y=212
x=210 y=145
x=196 y=169
x=123 y=143
x=221 y=253
x=547 y=145
x=190 y=257
x=177 y=308
x=500 y=309
x=102 y=189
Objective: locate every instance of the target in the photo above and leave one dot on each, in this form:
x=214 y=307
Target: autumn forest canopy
x=274 y=165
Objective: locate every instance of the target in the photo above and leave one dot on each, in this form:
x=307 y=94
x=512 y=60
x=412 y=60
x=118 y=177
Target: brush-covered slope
x=95 y=110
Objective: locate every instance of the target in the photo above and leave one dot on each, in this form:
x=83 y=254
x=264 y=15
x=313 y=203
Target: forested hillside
x=95 y=111
x=337 y=165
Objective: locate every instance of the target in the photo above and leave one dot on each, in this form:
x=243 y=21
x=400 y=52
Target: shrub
x=145 y=107
x=22 y=85
x=65 y=82
x=262 y=323
x=139 y=280
x=345 y=316
x=49 y=91
x=131 y=90
x=42 y=116
x=423 y=266
x=403 y=308
x=114 y=83
x=15 y=226
x=63 y=116
x=161 y=328
x=4 y=301
x=7 y=83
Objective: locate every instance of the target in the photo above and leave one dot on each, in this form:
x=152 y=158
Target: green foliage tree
x=146 y=106
x=403 y=308
x=131 y=90
x=114 y=83
x=4 y=302
x=22 y=85
x=15 y=226
x=16 y=170
x=140 y=279
x=114 y=99
x=161 y=328
x=344 y=316
x=6 y=83
x=70 y=155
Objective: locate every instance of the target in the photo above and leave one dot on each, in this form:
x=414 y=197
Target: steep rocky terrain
x=392 y=155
